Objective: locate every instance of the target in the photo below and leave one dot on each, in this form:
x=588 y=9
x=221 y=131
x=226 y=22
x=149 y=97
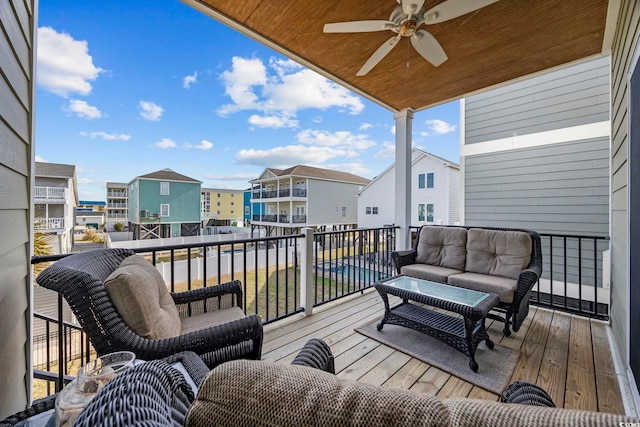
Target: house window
x=430 y=212
x=421 y=212
x=232 y=194
x=231 y=211
x=368 y=210
x=218 y=212
x=344 y=211
x=231 y=203
x=164 y=188
x=218 y=203
x=430 y=180
x=421 y=180
x=374 y=210
x=164 y=209
x=218 y=194
x=246 y=210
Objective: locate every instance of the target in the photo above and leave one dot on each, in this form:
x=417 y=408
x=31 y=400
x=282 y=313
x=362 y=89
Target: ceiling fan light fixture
x=408 y=28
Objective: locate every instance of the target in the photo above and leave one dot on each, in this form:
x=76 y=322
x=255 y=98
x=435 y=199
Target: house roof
x=313 y=172
x=416 y=155
x=55 y=170
x=92 y=203
x=498 y=43
x=167 y=175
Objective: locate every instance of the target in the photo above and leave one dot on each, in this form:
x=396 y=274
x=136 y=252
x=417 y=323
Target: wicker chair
x=80 y=279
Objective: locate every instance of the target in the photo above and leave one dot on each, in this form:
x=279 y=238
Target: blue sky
x=128 y=87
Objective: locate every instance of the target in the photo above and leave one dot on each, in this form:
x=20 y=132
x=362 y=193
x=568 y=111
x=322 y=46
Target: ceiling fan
x=405 y=21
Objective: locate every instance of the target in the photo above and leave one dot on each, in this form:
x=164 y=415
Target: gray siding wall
x=625 y=45
x=559 y=188
x=573 y=96
x=17 y=26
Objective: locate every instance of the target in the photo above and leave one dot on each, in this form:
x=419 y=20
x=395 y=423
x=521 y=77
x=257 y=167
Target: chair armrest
x=316 y=354
x=526 y=393
x=198 y=301
x=192 y=363
x=402 y=258
x=38 y=407
x=526 y=280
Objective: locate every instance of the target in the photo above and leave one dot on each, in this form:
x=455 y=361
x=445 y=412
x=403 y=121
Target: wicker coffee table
x=462 y=333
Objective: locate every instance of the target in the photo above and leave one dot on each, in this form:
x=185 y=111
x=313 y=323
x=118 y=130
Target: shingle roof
x=169 y=175
x=312 y=172
x=55 y=170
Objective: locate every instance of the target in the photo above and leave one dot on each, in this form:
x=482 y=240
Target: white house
x=304 y=196
x=435 y=193
x=55 y=199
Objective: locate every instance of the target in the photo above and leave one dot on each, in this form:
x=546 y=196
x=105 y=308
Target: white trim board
x=574 y=133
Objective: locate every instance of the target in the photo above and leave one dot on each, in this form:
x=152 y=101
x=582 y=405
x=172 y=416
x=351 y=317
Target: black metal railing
x=284 y=192
x=299 y=219
x=283 y=218
x=299 y=192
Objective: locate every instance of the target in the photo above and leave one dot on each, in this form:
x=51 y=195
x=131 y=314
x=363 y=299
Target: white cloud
x=282 y=89
x=392 y=129
x=204 y=145
x=150 y=111
x=439 y=127
x=189 y=80
x=342 y=139
x=275 y=122
x=107 y=136
x=388 y=150
x=82 y=109
x=84 y=181
x=64 y=64
x=287 y=156
x=354 y=168
x=41 y=159
x=365 y=126
x=165 y=143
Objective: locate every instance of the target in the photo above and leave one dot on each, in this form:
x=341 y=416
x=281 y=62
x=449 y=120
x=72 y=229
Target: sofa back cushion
x=141 y=297
x=260 y=393
x=498 y=253
x=442 y=246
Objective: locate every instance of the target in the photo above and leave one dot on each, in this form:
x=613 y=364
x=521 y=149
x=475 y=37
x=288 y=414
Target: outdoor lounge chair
x=102 y=287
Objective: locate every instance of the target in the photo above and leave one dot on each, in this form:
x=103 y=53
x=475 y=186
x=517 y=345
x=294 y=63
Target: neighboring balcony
x=117 y=194
x=117 y=205
x=50 y=193
x=116 y=215
x=43 y=224
x=299 y=219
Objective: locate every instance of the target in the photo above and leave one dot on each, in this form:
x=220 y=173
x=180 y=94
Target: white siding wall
x=323 y=197
x=454 y=195
x=379 y=194
x=17 y=27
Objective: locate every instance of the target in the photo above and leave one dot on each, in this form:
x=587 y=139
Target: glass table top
x=454 y=294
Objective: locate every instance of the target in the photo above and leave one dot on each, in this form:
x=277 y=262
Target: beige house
x=221 y=204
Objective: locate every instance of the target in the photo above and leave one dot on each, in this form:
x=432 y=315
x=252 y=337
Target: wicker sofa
x=504 y=261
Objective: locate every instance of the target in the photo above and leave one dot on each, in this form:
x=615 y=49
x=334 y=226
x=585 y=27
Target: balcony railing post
x=306 y=272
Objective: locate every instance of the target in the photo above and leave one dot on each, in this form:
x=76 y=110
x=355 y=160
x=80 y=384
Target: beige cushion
x=259 y=393
x=428 y=272
x=211 y=318
x=499 y=253
x=442 y=246
x=474 y=413
x=505 y=287
x=142 y=299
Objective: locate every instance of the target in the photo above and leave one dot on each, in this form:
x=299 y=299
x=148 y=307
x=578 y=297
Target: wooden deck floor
x=567 y=355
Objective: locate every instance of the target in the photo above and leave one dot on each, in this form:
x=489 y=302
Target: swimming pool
x=352 y=271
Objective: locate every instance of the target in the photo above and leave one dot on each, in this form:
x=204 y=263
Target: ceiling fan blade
x=358 y=26
x=378 y=55
x=428 y=47
x=452 y=9
x=411 y=7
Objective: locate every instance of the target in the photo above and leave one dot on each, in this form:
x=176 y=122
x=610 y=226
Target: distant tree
x=40 y=248
x=118 y=226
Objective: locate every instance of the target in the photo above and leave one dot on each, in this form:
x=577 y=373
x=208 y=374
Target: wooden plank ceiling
x=500 y=42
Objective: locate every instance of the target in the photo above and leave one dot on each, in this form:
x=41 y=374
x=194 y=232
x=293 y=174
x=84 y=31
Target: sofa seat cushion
x=442 y=246
x=260 y=393
x=140 y=296
x=428 y=272
x=497 y=252
x=210 y=318
x=474 y=412
x=503 y=286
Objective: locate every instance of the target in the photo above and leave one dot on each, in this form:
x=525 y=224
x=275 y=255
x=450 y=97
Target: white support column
x=306 y=271
x=403 y=120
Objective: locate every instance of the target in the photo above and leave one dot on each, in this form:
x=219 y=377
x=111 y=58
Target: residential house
x=222 y=205
x=164 y=204
x=91 y=205
x=55 y=199
x=117 y=205
x=435 y=193
x=304 y=196
x=564 y=32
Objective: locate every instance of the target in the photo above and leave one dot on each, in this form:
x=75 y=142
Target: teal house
x=164 y=204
